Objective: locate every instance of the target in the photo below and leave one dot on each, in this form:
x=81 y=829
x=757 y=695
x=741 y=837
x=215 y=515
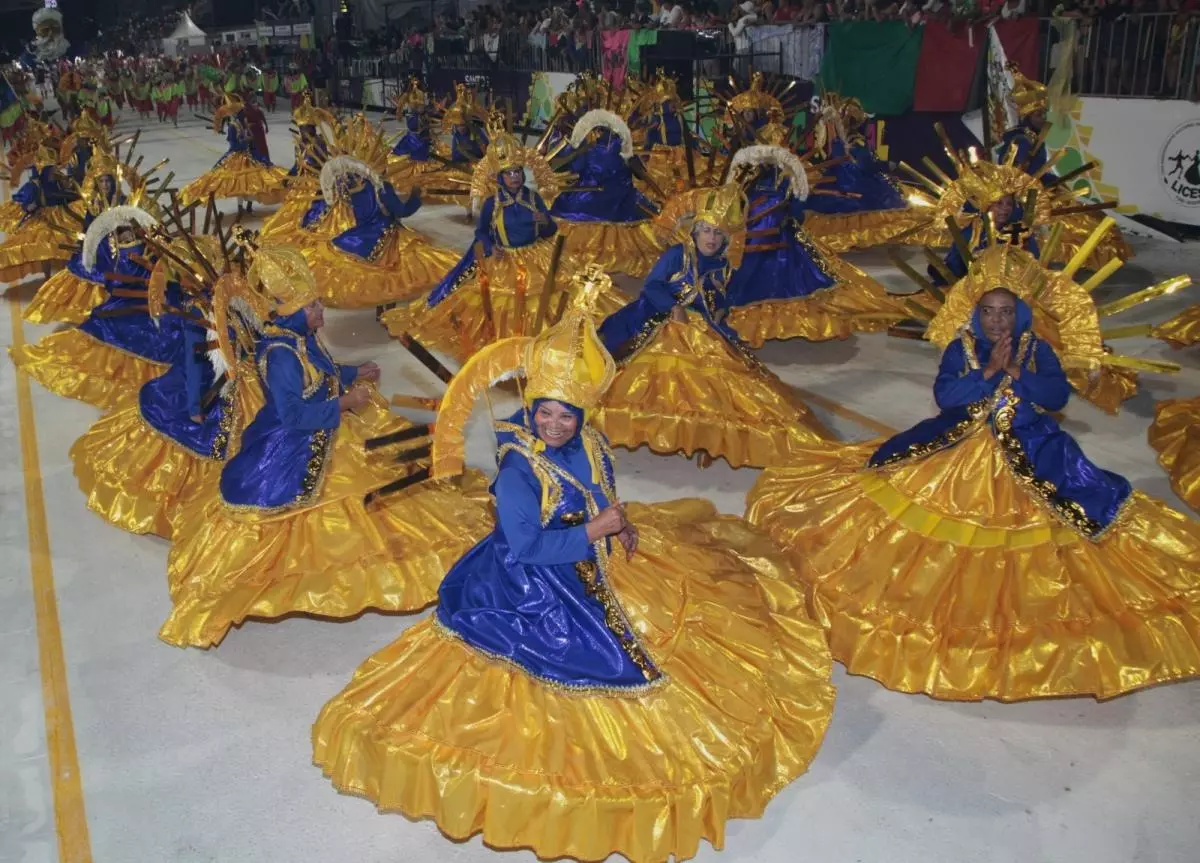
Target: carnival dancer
x=245 y=171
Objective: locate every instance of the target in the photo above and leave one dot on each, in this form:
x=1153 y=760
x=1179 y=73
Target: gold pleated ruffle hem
x=1175 y=435
x=334 y=558
x=74 y=365
x=135 y=478
x=945 y=576
x=431 y=728
x=283 y=226
x=856 y=304
x=11 y=214
x=687 y=391
x=631 y=248
x=1182 y=330
x=64 y=298
x=405 y=265
x=35 y=247
x=459 y=326
x=843 y=232
x=238 y=176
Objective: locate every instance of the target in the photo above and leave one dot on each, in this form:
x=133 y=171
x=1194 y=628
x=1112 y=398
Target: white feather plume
x=598 y=118
x=344 y=166
x=112 y=219
x=217 y=359
x=785 y=160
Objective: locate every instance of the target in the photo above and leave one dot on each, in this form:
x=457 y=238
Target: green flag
x=875 y=61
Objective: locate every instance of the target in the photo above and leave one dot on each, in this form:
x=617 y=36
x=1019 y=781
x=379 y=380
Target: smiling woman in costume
x=597 y=679
x=980 y=554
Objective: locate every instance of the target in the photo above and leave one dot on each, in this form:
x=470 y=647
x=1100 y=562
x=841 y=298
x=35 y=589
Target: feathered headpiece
x=598 y=118
x=307 y=114
x=344 y=166
x=112 y=219
x=785 y=160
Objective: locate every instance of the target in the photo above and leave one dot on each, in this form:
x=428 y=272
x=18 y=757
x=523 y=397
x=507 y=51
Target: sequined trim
x=645 y=334
x=976 y=412
x=440 y=629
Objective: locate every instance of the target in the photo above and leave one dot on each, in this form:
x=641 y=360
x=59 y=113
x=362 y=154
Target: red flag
x=1022 y=44
x=946 y=67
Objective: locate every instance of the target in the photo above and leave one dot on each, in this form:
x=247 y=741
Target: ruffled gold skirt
x=433 y=729
x=688 y=391
x=1182 y=330
x=74 y=365
x=11 y=214
x=1108 y=388
x=238 y=176
x=35 y=247
x=335 y=558
x=845 y=231
x=856 y=304
x=1175 y=434
x=945 y=576
x=631 y=248
x=406 y=265
x=283 y=226
x=459 y=326
x=404 y=173
x=64 y=298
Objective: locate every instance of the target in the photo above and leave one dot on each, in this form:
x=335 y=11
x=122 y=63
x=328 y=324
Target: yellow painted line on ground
x=839 y=409
x=70 y=819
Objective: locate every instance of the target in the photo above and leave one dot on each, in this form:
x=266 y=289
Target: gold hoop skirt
x=72 y=364
x=843 y=232
x=334 y=558
x=631 y=248
x=434 y=729
x=65 y=298
x=856 y=303
x=687 y=390
x=238 y=175
x=404 y=265
x=1175 y=434
x=36 y=246
x=458 y=324
x=945 y=576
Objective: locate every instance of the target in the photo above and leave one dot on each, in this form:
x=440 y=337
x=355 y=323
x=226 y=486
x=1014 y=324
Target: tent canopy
x=186 y=29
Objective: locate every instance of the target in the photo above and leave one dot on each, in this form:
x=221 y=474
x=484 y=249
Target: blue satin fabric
x=239 y=140
x=465 y=147
x=862 y=175
x=415 y=142
x=135 y=333
x=315 y=151
x=767 y=273
x=78 y=164
x=516 y=594
x=375 y=210
x=1022 y=137
x=671 y=278
x=665 y=127
x=954 y=260
x=43 y=189
x=521 y=228
x=169 y=402
x=315 y=212
x=270 y=469
x=1054 y=455
x=616 y=201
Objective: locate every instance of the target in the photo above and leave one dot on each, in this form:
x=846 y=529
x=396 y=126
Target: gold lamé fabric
x=865 y=230
x=64 y=298
x=1077 y=228
x=404 y=173
x=945 y=576
x=743 y=710
x=856 y=304
x=74 y=365
x=404 y=265
x=688 y=391
x=1181 y=330
x=11 y=214
x=1107 y=387
x=238 y=176
x=1175 y=434
x=515 y=282
x=667 y=169
x=334 y=558
x=36 y=244
x=140 y=480
x=631 y=248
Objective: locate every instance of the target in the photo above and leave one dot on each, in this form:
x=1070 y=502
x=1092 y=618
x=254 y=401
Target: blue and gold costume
x=303 y=180
x=243 y=172
x=980 y=554
x=608 y=222
x=504 y=271
x=788 y=284
x=687 y=382
x=108 y=357
x=286 y=529
x=33 y=243
x=694 y=652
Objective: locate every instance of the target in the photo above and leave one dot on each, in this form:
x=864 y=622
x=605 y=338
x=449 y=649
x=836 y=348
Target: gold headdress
x=463 y=111
x=233 y=104
x=45 y=157
x=755 y=97
x=723 y=207
x=307 y=114
x=1028 y=95
x=413 y=98
x=506 y=152
x=280 y=275
x=776 y=132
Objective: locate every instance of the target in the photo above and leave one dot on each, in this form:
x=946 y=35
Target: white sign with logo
x=1179 y=163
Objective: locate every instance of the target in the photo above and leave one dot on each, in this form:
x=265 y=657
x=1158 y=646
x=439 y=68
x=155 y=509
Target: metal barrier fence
x=1152 y=55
